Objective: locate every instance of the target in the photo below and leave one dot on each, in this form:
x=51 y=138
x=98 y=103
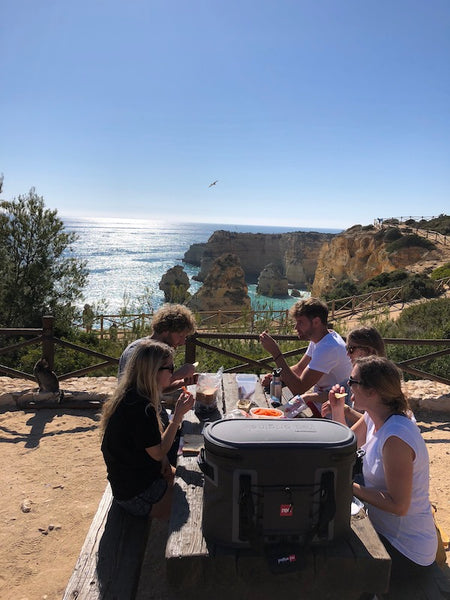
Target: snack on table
x=266 y=413
x=206 y=396
x=244 y=405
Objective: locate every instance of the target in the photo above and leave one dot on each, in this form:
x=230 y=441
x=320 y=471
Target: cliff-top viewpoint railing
x=45 y=337
x=120 y=325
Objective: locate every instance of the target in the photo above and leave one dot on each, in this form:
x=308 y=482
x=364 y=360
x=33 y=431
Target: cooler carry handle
x=327 y=503
x=246 y=509
x=205 y=468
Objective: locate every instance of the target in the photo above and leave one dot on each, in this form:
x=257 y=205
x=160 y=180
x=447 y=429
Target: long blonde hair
x=140 y=373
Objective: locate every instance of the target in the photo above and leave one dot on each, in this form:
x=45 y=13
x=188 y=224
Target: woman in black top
x=135 y=443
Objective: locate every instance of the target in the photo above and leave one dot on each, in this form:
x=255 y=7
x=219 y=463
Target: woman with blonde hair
x=395 y=469
x=134 y=442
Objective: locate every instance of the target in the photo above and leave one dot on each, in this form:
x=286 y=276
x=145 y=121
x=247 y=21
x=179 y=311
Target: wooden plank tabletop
x=344 y=568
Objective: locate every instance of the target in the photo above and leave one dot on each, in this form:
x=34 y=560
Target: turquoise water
x=127 y=257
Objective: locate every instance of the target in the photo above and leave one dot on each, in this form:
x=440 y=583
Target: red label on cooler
x=286 y=510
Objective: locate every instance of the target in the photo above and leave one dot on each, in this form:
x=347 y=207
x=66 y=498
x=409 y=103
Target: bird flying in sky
x=213 y=183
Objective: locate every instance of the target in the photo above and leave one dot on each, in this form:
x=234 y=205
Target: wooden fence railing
x=198 y=340
x=106 y=326
x=435 y=236
x=45 y=337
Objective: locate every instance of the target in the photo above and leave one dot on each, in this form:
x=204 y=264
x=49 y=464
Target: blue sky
x=322 y=113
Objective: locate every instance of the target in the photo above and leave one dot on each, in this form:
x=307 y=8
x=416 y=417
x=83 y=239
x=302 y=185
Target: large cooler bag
x=276 y=481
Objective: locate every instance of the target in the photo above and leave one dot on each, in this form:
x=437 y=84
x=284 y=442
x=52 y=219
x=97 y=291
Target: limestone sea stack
x=175 y=284
x=271 y=282
x=224 y=287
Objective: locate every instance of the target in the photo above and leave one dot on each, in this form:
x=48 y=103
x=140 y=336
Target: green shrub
x=428 y=320
x=385 y=280
x=409 y=241
x=419 y=286
x=391 y=234
x=441 y=272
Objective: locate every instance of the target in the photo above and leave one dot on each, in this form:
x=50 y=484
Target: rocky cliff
x=360 y=253
x=224 y=287
x=175 y=284
x=271 y=282
x=293 y=254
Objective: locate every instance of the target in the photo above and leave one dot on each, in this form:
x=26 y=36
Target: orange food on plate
x=266 y=412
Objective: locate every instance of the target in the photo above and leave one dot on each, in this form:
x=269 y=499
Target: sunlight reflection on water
x=126 y=256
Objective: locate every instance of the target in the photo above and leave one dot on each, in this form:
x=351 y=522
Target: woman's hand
x=184 y=403
x=336 y=398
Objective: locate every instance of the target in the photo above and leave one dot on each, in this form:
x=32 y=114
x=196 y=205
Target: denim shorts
x=142 y=504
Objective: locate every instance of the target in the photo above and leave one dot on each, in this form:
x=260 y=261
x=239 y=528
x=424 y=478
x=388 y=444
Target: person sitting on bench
x=134 y=441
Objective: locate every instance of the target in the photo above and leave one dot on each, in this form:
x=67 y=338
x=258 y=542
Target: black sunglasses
x=351 y=349
x=170 y=368
x=352 y=381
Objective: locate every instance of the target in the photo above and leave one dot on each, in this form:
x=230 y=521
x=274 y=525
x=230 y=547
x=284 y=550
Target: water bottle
x=276 y=388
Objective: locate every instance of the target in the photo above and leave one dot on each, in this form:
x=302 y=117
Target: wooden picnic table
x=342 y=569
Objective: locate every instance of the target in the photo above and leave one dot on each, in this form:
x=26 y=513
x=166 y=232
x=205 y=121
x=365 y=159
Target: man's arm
x=299 y=378
x=302 y=383
x=301 y=365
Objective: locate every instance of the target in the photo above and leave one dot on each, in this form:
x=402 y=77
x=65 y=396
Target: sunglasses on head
x=170 y=368
x=352 y=381
x=351 y=349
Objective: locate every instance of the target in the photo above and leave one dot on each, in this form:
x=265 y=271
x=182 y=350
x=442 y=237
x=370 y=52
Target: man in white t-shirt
x=325 y=361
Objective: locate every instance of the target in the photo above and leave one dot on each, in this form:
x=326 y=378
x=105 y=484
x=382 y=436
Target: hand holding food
x=184 y=403
x=336 y=396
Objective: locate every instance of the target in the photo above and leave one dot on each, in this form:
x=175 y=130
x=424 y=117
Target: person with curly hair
x=171 y=324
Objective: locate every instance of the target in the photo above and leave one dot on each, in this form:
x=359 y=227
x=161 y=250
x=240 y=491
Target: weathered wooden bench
x=110 y=560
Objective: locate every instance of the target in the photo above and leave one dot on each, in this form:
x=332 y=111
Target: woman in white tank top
x=395 y=468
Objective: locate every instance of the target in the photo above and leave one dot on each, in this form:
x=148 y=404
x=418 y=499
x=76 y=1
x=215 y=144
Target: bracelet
x=277 y=356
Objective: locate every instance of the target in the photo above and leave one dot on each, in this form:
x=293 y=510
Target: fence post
x=48 y=346
x=189 y=352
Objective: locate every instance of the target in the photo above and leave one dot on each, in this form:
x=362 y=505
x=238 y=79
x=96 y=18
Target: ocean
x=126 y=259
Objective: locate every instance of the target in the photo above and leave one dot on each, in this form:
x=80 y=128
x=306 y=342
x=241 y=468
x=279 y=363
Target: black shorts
x=142 y=504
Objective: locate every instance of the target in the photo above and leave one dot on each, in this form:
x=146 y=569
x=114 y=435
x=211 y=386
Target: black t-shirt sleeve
x=146 y=429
